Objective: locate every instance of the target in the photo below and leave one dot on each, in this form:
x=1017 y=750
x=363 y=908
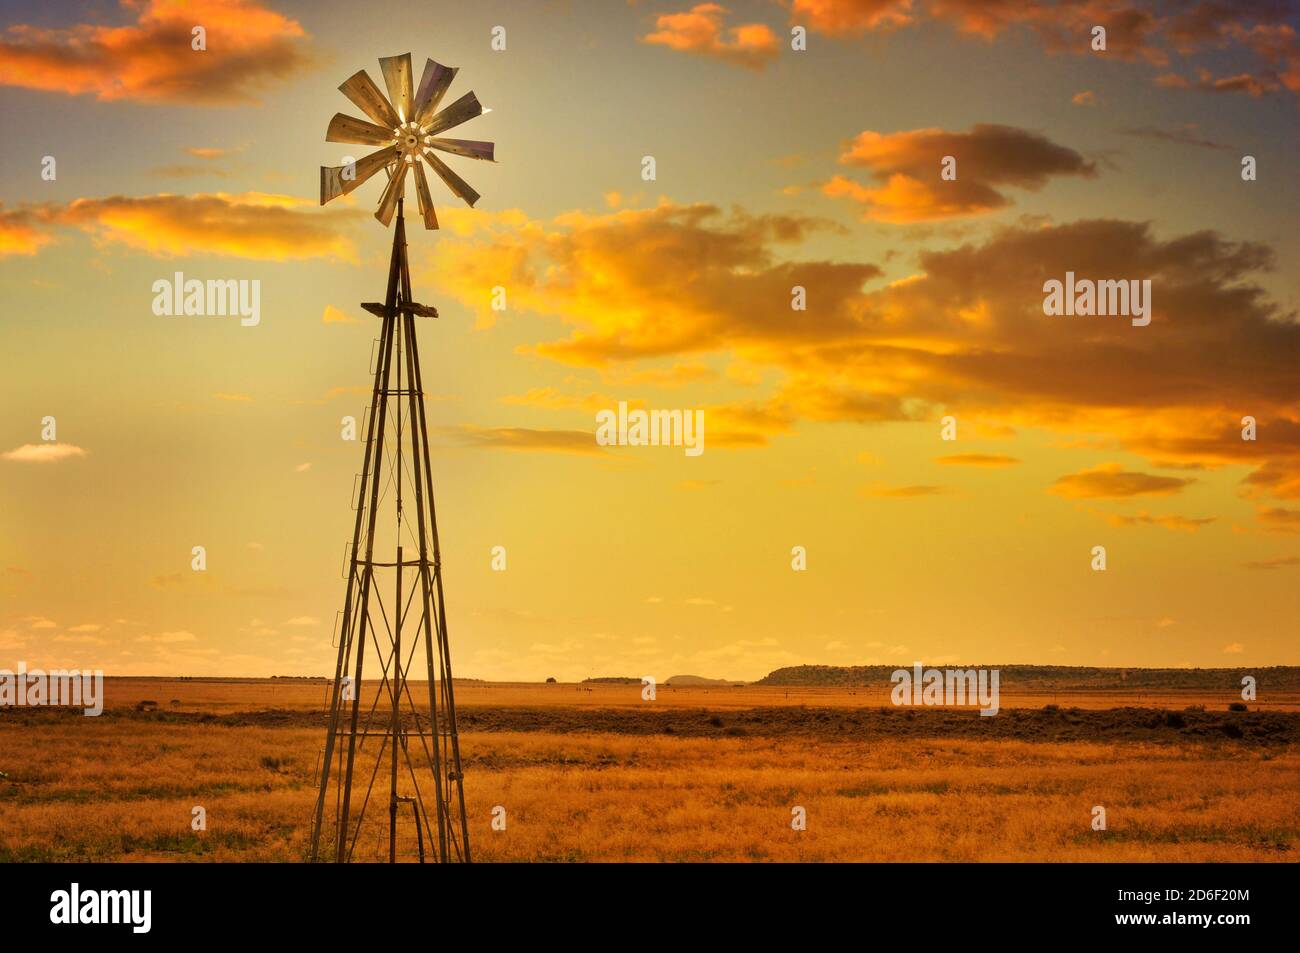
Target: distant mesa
x=686 y=681
x=612 y=680
x=1037 y=677
x=678 y=681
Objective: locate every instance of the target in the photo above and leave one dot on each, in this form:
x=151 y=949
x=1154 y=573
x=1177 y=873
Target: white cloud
x=43 y=452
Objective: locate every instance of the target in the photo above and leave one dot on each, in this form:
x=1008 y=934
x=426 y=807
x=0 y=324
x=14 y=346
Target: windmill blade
x=459 y=186
x=333 y=183
x=361 y=89
x=348 y=129
x=433 y=86
x=395 y=189
x=397 y=77
x=469 y=148
x=426 y=200
x=462 y=110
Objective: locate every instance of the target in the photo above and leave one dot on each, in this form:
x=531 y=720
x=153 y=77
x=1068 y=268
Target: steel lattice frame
x=405 y=127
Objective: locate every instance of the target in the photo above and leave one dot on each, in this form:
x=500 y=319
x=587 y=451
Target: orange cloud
x=248 y=47
x=1134 y=32
x=206 y=152
x=700 y=30
x=641 y=283
x=333 y=315
x=747 y=423
x=1278 y=519
x=1274 y=477
x=1277 y=563
x=1186 y=134
x=965 y=335
x=43 y=453
x=524 y=439
x=1171 y=521
x=21 y=232
x=254 y=225
x=1111 y=481
x=840 y=17
x=908 y=166
x=1207 y=82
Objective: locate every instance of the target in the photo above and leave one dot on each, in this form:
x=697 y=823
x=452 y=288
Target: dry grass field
x=700 y=774
x=230 y=695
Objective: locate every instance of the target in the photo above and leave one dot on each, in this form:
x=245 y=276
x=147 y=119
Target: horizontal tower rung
x=404 y=562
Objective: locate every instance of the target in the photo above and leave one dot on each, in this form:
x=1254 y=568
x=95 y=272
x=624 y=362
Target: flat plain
x=593 y=772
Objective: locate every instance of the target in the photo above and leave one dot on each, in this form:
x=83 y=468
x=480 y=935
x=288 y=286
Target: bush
x=1238 y=706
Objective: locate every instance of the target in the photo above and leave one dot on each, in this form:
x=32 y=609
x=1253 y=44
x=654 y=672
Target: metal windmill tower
x=416 y=752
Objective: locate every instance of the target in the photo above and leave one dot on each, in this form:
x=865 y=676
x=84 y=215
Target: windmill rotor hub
x=407 y=126
x=409 y=138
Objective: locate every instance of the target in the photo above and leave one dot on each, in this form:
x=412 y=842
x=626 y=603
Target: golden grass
x=220 y=696
x=123 y=789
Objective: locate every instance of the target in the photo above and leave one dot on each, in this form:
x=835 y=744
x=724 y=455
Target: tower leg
x=349 y=726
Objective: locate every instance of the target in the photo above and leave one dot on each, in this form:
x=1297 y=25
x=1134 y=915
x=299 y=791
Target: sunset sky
x=774 y=168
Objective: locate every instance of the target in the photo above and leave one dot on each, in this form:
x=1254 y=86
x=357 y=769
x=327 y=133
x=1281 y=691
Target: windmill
x=388 y=733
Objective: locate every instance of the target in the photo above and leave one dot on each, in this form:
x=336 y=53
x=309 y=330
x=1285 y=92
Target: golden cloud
x=43 y=452
x=641 y=283
x=21 y=232
x=1171 y=521
x=333 y=315
x=206 y=152
x=255 y=225
x=524 y=439
x=700 y=30
x=1277 y=563
x=248 y=46
x=840 y=17
x=1134 y=32
x=1278 y=519
x=966 y=335
x=989 y=157
x=1111 y=481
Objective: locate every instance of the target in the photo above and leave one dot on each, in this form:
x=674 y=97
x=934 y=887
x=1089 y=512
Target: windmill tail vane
x=394 y=618
x=406 y=125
